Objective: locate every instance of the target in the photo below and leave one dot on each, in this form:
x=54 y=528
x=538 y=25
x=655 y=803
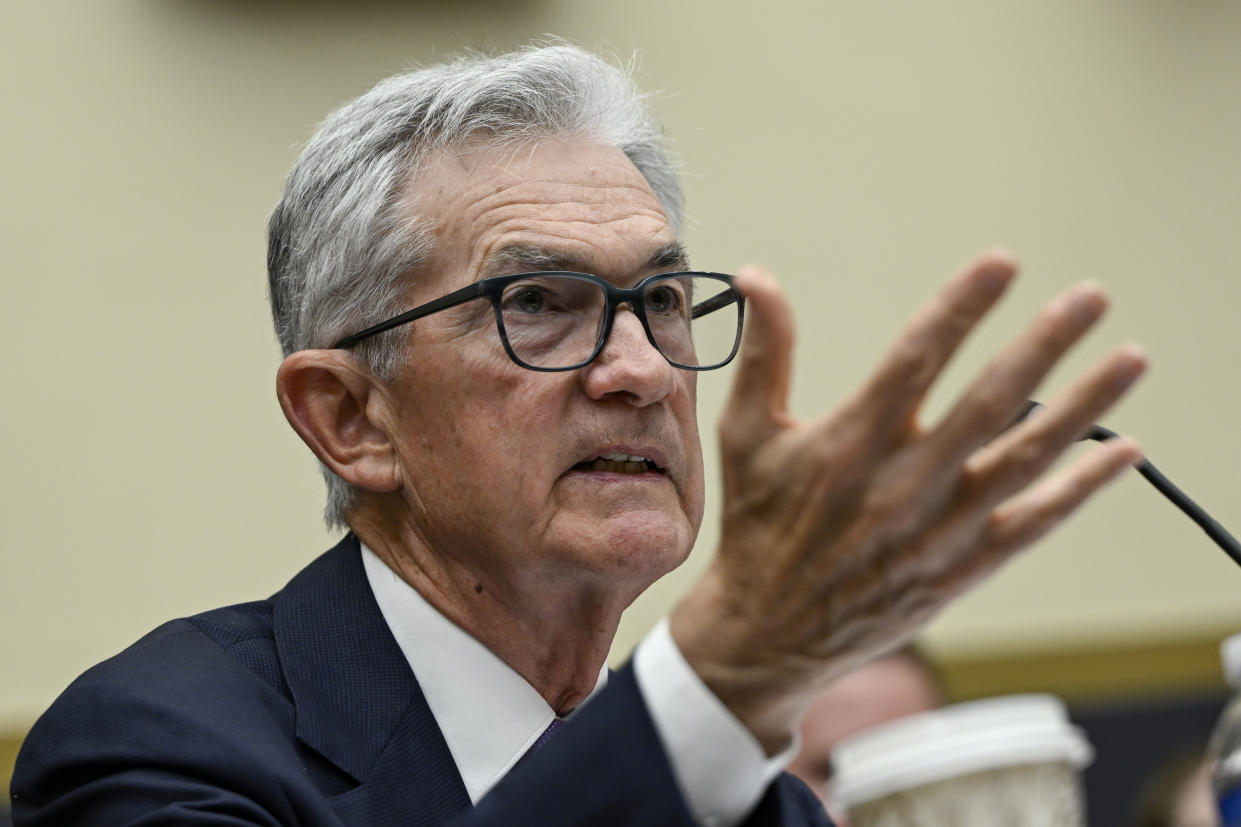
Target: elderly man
x=492 y=340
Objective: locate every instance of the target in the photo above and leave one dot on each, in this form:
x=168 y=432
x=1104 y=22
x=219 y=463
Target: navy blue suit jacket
x=301 y=709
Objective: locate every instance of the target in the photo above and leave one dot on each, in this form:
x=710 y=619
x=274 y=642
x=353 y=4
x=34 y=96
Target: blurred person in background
x=891 y=687
x=492 y=339
x=1180 y=795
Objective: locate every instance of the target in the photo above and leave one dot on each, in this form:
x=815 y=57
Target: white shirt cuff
x=719 y=766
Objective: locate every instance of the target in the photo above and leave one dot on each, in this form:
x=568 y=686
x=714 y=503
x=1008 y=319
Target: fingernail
x=1133 y=362
x=995 y=277
x=1135 y=450
x=1136 y=352
x=1087 y=301
x=999 y=252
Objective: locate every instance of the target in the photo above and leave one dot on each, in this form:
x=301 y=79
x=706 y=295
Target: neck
x=553 y=631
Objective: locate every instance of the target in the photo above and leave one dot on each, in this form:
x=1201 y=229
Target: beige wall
x=863 y=150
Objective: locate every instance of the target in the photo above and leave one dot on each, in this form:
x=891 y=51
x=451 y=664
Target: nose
x=629 y=367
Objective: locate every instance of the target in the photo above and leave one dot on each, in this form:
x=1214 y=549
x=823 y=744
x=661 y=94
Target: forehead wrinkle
x=519 y=256
x=568 y=214
x=622 y=253
x=538 y=207
x=629 y=215
x=556 y=195
x=601 y=212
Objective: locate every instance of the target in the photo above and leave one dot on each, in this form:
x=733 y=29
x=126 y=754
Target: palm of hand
x=844 y=535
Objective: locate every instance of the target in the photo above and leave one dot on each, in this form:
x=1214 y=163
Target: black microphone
x=1164 y=485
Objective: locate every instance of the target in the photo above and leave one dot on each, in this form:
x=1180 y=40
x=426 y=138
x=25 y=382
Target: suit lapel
x=358 y=704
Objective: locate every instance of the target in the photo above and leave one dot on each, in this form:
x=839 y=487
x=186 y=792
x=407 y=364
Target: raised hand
x=845 y=534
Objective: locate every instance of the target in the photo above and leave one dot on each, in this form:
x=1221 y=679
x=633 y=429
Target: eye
x=664 y=298
x=528 y=299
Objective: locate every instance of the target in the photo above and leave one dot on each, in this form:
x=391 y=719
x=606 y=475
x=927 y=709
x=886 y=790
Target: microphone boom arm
x=1166 y=487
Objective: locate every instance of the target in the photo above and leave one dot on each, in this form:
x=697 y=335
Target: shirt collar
x=489 y=715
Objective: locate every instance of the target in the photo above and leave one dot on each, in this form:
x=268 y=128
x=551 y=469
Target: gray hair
x=342 y=241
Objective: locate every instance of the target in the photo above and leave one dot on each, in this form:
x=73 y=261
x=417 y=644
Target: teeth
x=623 y=466
x=622 y=458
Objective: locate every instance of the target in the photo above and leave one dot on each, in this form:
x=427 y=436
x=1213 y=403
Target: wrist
x=758 y=689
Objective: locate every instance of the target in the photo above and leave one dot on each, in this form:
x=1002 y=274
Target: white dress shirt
x=490 y=716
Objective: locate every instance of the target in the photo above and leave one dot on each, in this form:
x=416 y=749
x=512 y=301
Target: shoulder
x=196 y=707
x=229 y=650
x=213 y=674
x=196 y=718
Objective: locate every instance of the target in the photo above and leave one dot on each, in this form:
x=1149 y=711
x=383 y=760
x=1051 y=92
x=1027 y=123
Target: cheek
x=695 y=486
x=492 y=431
x=698 y=498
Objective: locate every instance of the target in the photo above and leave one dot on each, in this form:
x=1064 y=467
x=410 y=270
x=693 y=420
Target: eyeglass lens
x=554 y=321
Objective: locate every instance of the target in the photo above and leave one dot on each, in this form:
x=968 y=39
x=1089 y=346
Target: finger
x=1023 y=452
x=760 y=392
x=1031 y=514
x=993 y=400
x=1028 y=517
x=891 y=396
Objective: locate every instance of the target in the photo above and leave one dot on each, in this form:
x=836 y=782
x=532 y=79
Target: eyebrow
x=517 y=258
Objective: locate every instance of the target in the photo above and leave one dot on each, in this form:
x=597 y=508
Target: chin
x=647 y=549
x=632 y=549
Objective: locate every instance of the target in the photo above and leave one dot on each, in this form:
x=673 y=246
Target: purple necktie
x=547 y=733
x=540 y=741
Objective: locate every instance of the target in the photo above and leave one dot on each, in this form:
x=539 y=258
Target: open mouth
x=619 y=464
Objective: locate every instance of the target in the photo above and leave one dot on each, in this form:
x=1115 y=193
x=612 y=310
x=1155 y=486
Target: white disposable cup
x=962 y=762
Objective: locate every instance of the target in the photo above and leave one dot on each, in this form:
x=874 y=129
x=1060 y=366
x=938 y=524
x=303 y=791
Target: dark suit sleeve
x=789 y=803
x=608 y=767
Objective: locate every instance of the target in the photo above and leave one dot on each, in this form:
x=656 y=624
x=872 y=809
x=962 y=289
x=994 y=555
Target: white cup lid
x=1230 y=660
x=952 y=741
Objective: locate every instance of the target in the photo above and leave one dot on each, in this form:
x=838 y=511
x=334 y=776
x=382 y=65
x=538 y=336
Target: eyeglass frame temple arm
x=1213 y=529
x=465 y=294
x=716 y=302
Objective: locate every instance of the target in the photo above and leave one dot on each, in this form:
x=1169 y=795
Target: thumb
x=759 y=400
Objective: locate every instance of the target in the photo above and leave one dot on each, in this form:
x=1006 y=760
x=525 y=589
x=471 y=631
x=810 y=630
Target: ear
x=335 y=404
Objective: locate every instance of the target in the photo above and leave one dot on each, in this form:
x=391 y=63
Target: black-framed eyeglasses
x=558 y=320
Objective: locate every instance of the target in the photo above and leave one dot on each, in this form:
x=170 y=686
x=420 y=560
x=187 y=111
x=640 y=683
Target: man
x=518 y=458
